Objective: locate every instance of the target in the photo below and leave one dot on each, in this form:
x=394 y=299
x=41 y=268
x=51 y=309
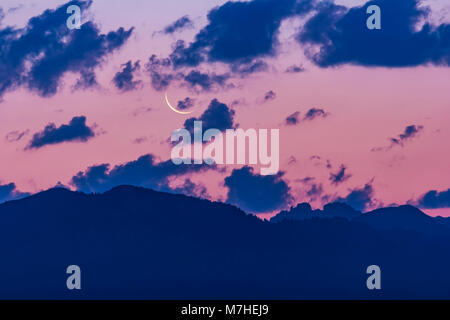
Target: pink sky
x=366 y=107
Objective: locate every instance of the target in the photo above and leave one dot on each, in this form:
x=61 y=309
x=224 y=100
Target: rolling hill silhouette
x=135 y=243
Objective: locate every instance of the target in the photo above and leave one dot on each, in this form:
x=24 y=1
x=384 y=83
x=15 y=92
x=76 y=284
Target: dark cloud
x=160 y=76
x=340 y=176
x=144 y=172
x=245 y=69
x=292 y=119
x=314 y=190
x=359 y=199
x=434 y=199
x=183 y=56
x=217 y=116
x=314 y=113
x=409 y=133
x=87 y=80
x=206 y=81
x=310 y=115
x=187 y=103
x=15 y=136
x=124 y=79
x=239 y=102
x=76 y=130
x=165 y=71
x=255 y=193
x=269 y=96
x=295 y=69
x=38 y=55
x=189 y=188
x=239 y=31
x=180 y=24
x=9 y=192
x=338 y=35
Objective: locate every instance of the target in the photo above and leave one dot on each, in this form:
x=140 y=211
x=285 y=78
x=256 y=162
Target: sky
x=363 y=114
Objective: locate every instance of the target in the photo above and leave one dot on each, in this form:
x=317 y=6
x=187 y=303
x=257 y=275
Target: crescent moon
x=175 y=109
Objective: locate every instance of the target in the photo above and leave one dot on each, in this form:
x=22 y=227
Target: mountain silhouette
x=393 y=218
x=303 y=211
x=135 y=243
x=404 y=217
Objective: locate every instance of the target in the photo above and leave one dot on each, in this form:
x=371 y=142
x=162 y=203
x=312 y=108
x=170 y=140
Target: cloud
x=15 y=136
x=9 y=192
x=434 y=199
x=189 y=188
x=314 y=113
x=408 y=134
x=269 y=96
x=87 y=80
x=157 y=68
x=295 y=69
x=183 y=56
x=180 y=24
x=185 y=104
x=314 y=190
x=310 y=115
x=206 y=81
x=164 y=71
x=255 y=193
x=338 y=35
x=37 y=56
x=245 y=69
x=162 y=76
x=76 y=130
x=359 y=199
x=124 y=79
x=292 y=119
x=239 y=31
x=340 y=176
x=217 y=116
x=144 y=172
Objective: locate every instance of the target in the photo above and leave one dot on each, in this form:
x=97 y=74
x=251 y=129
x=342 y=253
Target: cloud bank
x=39 y=55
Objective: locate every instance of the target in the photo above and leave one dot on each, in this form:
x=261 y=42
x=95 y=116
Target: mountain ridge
x=136 y=243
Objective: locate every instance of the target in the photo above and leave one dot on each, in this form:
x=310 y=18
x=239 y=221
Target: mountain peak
x=401 y=217
x=303 y=211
